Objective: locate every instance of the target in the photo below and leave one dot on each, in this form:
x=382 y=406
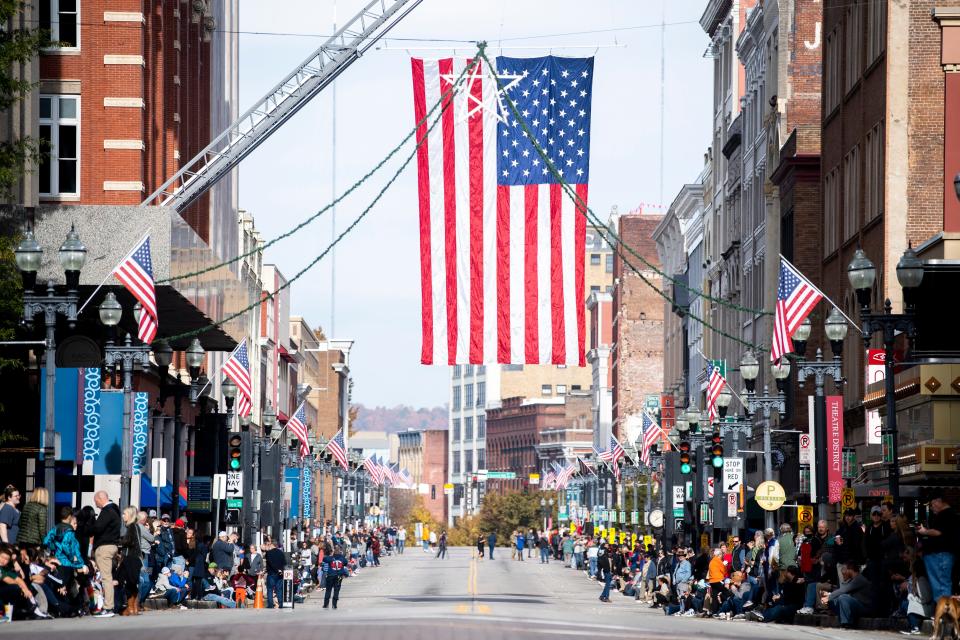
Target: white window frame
x=54 y=122
x=55 y=27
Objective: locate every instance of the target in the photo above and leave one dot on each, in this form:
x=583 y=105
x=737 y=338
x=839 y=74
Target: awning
x=148 y=495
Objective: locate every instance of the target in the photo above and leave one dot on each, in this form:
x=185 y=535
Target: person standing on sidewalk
x=521 y=541
x=491 y=543
x=939 y=540
x=544 y=544
x=442 y=545
x=605 y=569
x=106 y=535
x=276 y=562
x=335 y=568
x=401 y=540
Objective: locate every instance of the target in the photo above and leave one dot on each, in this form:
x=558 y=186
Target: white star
x=580 y=152
x=569 y=163
x=514 y=163
x=505 y=173
x=536 y=82
x=536 y=123
x=579 y=172
x=565 y=73
x=583 y=73
x=583 y=94
x=545 y=91
x=544 y=131
x=506 y=154
x=573 y=103
x=560 y=133
x=536 y=162
x=580 y=132
x=525 y=73
x=545 y=170
x=553 y=82
x=536 y=103
x=515 y=143
x=550 y=141
x=492 y=101
x=552 y=121
x=562 y=113
x=526 y=153
x=582 y=113
x=526 y=172
x=563 y=94
x=506 y=132
x=545 y=71
x=525 y=113
x=526 y=93
x=570 y=123
x=561 y=154
x=570 y=142
x=573 y=84
x=552 y=102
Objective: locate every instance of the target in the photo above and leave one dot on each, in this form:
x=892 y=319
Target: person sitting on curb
x=853 y=599
x=211 y=588
x=173 y=587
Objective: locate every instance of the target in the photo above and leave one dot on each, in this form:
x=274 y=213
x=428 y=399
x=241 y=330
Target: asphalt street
x=419 y=596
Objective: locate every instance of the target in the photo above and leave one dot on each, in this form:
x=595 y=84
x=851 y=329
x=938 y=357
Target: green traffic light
x=685 y=468
x=717 y=462
x=234 y=464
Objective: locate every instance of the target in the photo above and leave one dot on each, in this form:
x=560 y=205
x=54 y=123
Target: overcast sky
x=377 y=266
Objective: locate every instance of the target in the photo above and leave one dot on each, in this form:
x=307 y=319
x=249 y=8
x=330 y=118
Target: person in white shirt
x=401 y=539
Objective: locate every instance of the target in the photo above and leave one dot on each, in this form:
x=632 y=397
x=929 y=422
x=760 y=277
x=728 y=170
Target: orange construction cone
x=258 y=598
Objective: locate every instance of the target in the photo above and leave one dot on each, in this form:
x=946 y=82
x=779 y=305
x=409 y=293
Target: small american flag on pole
x=337 y=448
x=715 y=384
x=602 y=455
x=135 y=272
x=548 y=480
x=652 y=434
x=796 y=298
x=237 y=368
x=502 y=246
x=298 y=427
x=376 y=473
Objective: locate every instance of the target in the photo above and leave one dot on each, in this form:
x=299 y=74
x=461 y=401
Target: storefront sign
x=834 y=448
x=141 y=430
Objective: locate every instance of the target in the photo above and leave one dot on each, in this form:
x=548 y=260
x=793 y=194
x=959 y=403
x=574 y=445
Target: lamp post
x=862 y=274
x=129 y=357
x=735 y=427
x=836 y=329
x=29 y=256
x=749 y=370
x=689 y=427
x=267 y=420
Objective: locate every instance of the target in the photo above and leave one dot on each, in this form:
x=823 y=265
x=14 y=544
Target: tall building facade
x=424 y=454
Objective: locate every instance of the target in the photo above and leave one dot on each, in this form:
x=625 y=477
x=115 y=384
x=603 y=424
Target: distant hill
x=399 y=418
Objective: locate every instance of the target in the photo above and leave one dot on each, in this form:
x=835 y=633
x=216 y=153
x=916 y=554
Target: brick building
x=424 y=455
x=513 y=434
x=637 y=353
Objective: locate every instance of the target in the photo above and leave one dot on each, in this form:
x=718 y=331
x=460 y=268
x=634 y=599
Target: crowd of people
x=875 y=566
x=103 y=562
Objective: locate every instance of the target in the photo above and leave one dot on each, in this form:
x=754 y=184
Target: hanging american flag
x=298 y=427
x=796 y=298
x=237 y=368
x=376 y=473
x=616 y=453
x=602 y=455
x=406 y=478
x=715 y=384
x=563 y=474
x=652 y=434
x=502 y=247
x=135 y=272
x=548 y=480
x=585 y=467
x=338 y=449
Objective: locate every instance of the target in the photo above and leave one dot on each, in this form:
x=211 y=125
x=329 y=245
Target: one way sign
x=732 y=475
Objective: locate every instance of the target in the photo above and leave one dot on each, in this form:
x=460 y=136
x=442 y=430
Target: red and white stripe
x=502 y=268
x=715 y=385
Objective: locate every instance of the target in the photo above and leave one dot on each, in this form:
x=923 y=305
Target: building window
x=561 y=389
x=59 y=17
x=481 y=459
x=851 y=192
x=456 y=398
x=595 y=259
x=468 y=370
x=832 y=75
x=481 y=426
x=433 y=492
x=481 y=369
x=594 y=288
x=876 y=29
x=513 y=367
x=576 y=387
x=468 y=396
x=59 y=138
x=456 y=462
x=831 y=211
x=873 y=172
x=609 y=265
x=468 y=461
x=468 y=428
x=853 y=42
x=456 y=429
x=456 y=371
x=481 y=394
x=546 y=390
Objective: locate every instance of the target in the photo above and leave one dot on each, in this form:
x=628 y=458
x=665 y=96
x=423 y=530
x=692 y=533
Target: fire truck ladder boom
x=289 y=96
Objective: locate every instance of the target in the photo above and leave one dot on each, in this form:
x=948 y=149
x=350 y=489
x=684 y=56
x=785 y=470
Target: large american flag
x=298 y=427
x=501 y=246
x=338 y=449
x=715 y=384
x=135 y=272
x=652 y=434
x=237 y=368
x=796 y=298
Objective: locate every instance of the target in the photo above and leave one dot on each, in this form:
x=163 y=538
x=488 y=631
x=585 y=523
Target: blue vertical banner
x=141 y=430
x=66 y=409
x=91 y=415
x=292 y=475
x=109 y=459
x=307 y=488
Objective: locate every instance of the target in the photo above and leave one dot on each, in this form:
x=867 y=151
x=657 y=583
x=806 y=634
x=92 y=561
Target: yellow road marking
x=472 y=591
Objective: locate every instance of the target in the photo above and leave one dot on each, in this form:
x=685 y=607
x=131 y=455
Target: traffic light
x=686 y=466
x=716 y=450
x=234 y=452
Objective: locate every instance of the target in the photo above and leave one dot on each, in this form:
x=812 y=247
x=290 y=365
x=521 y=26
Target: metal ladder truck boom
x=293 y=92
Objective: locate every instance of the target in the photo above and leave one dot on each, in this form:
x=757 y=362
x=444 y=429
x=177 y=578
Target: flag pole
x=109 y=275
x=825 y=296
x=273 y=441
x=726 y=382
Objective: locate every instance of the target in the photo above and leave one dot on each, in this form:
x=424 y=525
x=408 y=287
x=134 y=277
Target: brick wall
x=434 y=472
x=637 y=359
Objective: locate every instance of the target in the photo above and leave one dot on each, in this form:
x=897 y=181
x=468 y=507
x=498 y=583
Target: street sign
x=219 y=486
x=158 y=472
x=770 y=495
x=709 y=487
x=704 y=513
x=804 y=448
x=634 y=517
x=647 y=541
x=501 y=475
x=804 y=516
x=534 y=478
x=847 y=498
x=679 y=497
x=732 y=499
x=234 y=489
x=199 y=494
x=732 y=474
x=704 y=541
